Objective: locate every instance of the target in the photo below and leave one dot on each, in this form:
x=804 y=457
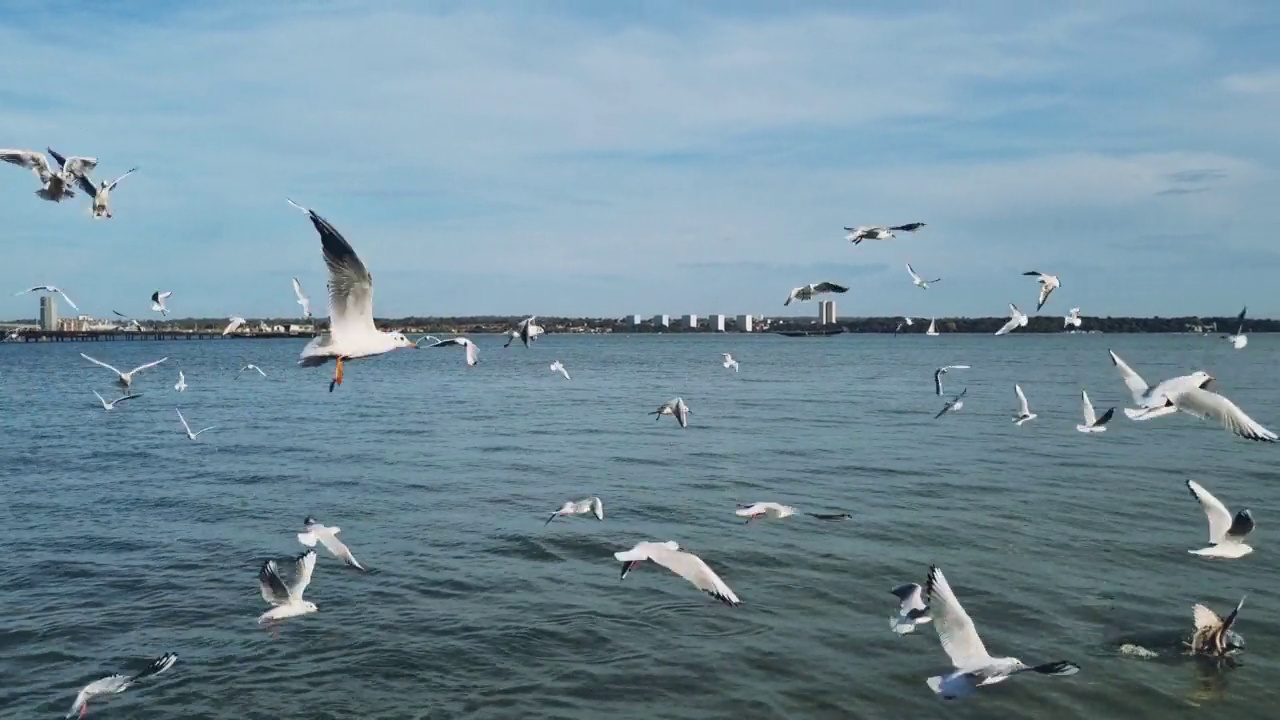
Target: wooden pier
x=124 y=336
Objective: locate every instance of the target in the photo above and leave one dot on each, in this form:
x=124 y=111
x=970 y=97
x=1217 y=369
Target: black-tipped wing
x=350 y=284
x=157 y=666
x=909 y=227
x=1242 y=524
x=450 y=341
x=1105 y=418
x=273 y=588
x=937 y=381
x=87 y=185
x=62 y=160
x=1033 y=272
x=829 y=287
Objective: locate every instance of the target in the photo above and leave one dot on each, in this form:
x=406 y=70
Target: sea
x=123 y=540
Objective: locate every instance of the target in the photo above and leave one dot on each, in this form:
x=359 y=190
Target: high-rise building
x=716 y=323
x=48 y=313
x=689 y=322
x=744 y=323
x=661 y=321
x=826 y=312
x=636 y=321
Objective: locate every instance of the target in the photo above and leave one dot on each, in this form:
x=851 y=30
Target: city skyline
x=589 y=160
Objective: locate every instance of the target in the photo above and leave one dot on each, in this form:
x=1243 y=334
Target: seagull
x=1238 y=341
x=1092 y=423
x=49 y=289
x=1213 y=635
x=686 y=565
x=1072 y=319
x=352 y=333
x=1023 y=413
x=473 y=352
x=867 y=232
x=755 y=511
x=1048 y=283
x=287 y=599
x=953 y=404
x=905 y=321
x=420 y=340
x=132 y=323
x=54 y=186
x=111 y=405
x=1226 y=533
x=182 y=382
x=919 y=281
x=115 y=684
x=1187 y=393
x=185 y=426
x=250 y=366
x=1017 y=319
x=314 y=532
x=729 y=362
x=806 y=292
x=582 y=507
x=911 y=611
x=235 y=323
x=937 y=376
x=909 y=227
x=157 y=301
x=303 y=300
x=974 y=666
x=526 y=330
x=102 y=193
x=125 y=379
x=558 y=366
x=677 y=409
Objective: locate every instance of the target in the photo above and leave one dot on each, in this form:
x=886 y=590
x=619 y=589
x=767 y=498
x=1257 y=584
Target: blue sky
x=586 y=158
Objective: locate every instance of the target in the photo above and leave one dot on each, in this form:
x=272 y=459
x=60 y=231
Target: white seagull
x=182 y=382
x=54 y=186
x=526 y=330
x=314 y=532
x=686 y=565
x=1017 y=319
x=111 y=405
x=250 y=366
x=906 y=321
x=352 y=333
x=676 y=408
x=1213 y=635
x=953 y=404
x=878 y=232
x=1226 y=533
x=49 y=289
x=287 y=598
x=1048 y=283
x=558 y=366
x=729 y=362
x=187 y=428
x=303 y=300
x=755 y=511
x=974 y=666
x=1238 y=341
x=919 y=281
x=235 y=323
x=1072 y=318
x=806 y=292
x=582 y=507
x=911 y=610
x=937 y=376
x=1093 y=423
x=115 y=684
x=1186 y=393
x=101 y=193
x=424 y=338
x=124 y=379
x=132 y=323
x=473 y=352
x=157 y=301
x=1023 y=413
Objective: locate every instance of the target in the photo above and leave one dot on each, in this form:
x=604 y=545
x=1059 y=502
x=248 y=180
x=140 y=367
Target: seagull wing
x=1205 y=618
x=1013 y=323
x=99 y=362
x=105 y=686
x=912 y=273
x=1045 y=291
x=273 y=588
x=67 y=297
x=184 y=422
x=597 y=508
x=305 y=564
x=1206 y=404
x=29 y=159
x=350 y=285
x=1132 y=380
x=112 y=185
x=937 y=380
x=956 y=631
x=148 y=365
x=338 y=548
x=911 y=595
x=1089 y=417
x=829 y=287
x=1240 y=319
x=473 y=355
x=443 y=343
x=157 y=666
x=692 y=568
x=1023 y=407
x=794 y=292
x=76 y=165
x=1219 y=515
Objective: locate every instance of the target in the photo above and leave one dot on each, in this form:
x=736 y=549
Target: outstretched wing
x=99 y=362
x=955 y=629
x=273 y=588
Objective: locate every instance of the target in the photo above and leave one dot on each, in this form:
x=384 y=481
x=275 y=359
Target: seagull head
x=401 y=341
x=309 y=521
x=310 y=606
x=1203 y=379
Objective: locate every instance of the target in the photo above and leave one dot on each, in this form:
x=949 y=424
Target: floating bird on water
x=50 y=289
x=233 y=325
x=157 y=301
x=919 y=281
x=187 y=428
x=1213 y=635
x=287 y=598
x=676 y=408
x=303 y=300
x=1238 y=341
x=250 y=366
x=558 y=366
x=352 y=334
x=101 y=194
x=937 y=376
x=1023 y=412
x=729 y=362
x=974 y=666
x=1072 y=319
x=527 y=331
x=111 y=405
x=686 y=565
x=582 y=507
x=1226 y=534
x=953 y=404
x=473 y=352
x=1017 y=319
x=124 y=379
x=115 y=684
x=182 y=382
x=1092 y=423
x=54 y=186
x=911 y=610
x=314 y=532
x=806 y=292
x=1048 y=283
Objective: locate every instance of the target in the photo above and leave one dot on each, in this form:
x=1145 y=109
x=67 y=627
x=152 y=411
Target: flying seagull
x=234 y=324
x=806 y=292
x=1072 y=318
x=582 y=507
x=974 y=666
x=729 y=362
x=905 y=321
x=777 y=511
x=182 y=382
x=157 y=301
x=919 y=281
x=1213 y=635
x=1092 y=423
x=287 y=598
x=953 y=404
x=1017 y=319
x=424 y=338
x=473 y=352
x=1238 y=341
x=937 y=376
x=303 y=300
x=250 y=366
x=313 y=532
x=187 y=428
x=558 y=366
x=878 y=232
x=911 y=610
x=1187 y=394
x=54 y=186
x=1048 y=283
x=112 y=405
x=1023 y=413
x=101 y=193
x=132 y=323
x=686 y=565
x=49 y=289
x=352 y=333
x=1226 y=533
x=115 y=684
x=526 y=330
x=124 y=379
x=676 y=408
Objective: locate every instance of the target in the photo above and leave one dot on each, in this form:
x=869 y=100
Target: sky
x=604 y=159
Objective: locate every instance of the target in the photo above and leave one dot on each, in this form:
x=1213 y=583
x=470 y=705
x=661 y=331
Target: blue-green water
x=123 y=540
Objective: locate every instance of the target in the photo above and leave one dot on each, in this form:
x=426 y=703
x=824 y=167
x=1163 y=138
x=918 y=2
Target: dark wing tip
x=1031 y=272
x=1105 y=418
x=724 y=598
